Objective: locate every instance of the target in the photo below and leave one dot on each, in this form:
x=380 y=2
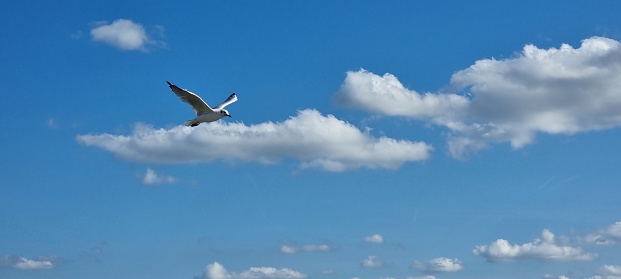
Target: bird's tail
x=189 y=123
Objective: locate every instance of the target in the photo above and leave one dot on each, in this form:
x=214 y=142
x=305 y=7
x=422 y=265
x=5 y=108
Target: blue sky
x=392 y=139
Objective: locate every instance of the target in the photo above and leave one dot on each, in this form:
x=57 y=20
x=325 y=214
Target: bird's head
x=225 y=112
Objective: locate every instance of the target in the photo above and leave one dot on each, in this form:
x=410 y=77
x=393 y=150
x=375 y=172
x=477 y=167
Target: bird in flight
x=204 y=113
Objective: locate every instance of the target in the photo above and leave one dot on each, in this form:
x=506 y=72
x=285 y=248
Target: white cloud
x=23 y=263
x=292 y=249
x=609 y=235
x=150 y=178
x=124 y=34
x=314 y=248
x=270 y=272
x=28 y=264
x=386 y=95
x=611 y=270
x=439 y=265
x=422 y=277
x=286 y=249
x=317 y=141
x=376 y=238
x=218 y=271
x=543 y=248
x=555 y=91
x=373 y=262
x=608 y=272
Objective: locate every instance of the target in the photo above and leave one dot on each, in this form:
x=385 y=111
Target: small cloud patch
x=125 y=34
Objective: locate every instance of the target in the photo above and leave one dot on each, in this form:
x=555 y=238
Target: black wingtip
x=169 y=84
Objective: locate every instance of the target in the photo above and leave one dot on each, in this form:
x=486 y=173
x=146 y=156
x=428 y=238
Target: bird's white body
x=204 y=113
x=209 y=117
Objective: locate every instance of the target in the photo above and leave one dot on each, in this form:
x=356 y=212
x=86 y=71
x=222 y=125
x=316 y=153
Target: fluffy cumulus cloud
x=439 y=265
x=218 y=271
x=606 y=236
x=23 y=263
x=543 y=248
x=376 y=238
x=124 y=34
x=561 y=90
x=386 y=95
x=151 y=178
x=317 y=141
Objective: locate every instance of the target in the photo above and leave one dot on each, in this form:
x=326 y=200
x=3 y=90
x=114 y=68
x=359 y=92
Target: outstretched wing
x=198 y=105
x=231 y=99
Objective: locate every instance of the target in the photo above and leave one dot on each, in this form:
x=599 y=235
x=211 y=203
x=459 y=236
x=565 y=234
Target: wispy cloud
x=125 y=35
x=376 y=238
x=542 y=248
x=92 y=255
x=52 y=123
x=606 y=236
x=439 y=265
x=218 y=271
x=151 y=178
x=293 y=249
x=562 y=90
x=317 y=141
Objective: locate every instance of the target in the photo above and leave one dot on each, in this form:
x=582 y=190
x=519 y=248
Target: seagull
x=204 y=113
